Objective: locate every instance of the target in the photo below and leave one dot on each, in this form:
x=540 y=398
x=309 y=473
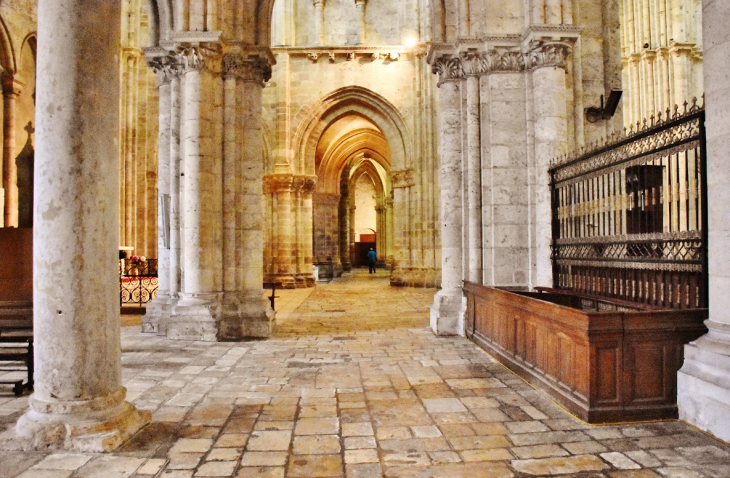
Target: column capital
x=249 y=65
x=548 y=54
x=305 y=184
x=12 y=84
x=274 y=183
x=163 y=64
x=402 y=178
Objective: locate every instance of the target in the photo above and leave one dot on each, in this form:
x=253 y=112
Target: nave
x=355 y=384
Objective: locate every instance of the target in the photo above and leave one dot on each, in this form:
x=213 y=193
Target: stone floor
x=355 y=384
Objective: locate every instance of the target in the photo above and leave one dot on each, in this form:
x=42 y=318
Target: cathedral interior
x=235 y=152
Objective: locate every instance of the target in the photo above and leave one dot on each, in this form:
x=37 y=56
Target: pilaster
x=12 y=86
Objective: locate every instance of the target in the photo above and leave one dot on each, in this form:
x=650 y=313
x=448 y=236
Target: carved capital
x=165 y=67
x=275 y=183
x=402 y=178
x=548 y=54
x=448 y=68
x=198 y=57
x=252 y=68
x=304 y=185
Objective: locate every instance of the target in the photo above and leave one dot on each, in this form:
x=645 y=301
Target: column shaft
x=447 y=311
x=473 y=180
x=11 y=91
x=79 y=399
x=174 y=147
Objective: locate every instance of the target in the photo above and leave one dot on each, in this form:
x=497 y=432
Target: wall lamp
x=594 y=114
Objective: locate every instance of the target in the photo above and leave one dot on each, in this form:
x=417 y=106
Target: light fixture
x=411 y=41
x=594 y=114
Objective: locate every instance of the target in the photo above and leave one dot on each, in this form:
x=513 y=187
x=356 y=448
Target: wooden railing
x=629 y=216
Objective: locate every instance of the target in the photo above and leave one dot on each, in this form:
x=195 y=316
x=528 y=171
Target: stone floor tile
x=430 y=431
x=262 y=472
x=151 y=467
x=414 y=444
x=231 y=440
x=269 y=441
x=354 y=443
x=679 y=472
x=224 y=454
x=479 y=402
x=264 y=458
x=216 y=468
x=176 y=474
x=494 y=454
x=634 y=474
x=184 y=461
x=364 y=470
x=560 y=466
x=466 y=470
x=273 y=425
x=192 y=445
x=63 y=461
x=315 y=465
x=316 y=445
x=538 y=451
x=547 y=438
x=477 y=442
x=393 y=433
x=440 y=457
x=584 y=447
x=620 y=461
x=361 y=456
x=109 y=466
x=357 y=429
x=443 y=405
x=34 y=473
x=526 y=427
x=317 y=426
x=488 y=428
x=410 y=459
x=313 y=411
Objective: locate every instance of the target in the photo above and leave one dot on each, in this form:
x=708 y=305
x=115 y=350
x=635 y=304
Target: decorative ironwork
x=629 y=215
x=137 y=281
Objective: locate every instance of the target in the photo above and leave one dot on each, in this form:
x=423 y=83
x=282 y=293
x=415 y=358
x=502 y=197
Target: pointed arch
x=345 y=101
x=8 y=60
x=161 y=17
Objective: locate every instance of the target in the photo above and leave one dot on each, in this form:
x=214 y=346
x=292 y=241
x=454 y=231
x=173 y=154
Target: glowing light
x=411 y=42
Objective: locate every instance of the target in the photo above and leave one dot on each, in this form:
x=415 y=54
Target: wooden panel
x=16 y=266
x=602 y=366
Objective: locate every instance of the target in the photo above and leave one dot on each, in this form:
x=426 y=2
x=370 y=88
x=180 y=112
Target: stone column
x=306 y=251
x=129 y=149
x=256 y=313
x=471 y=64
x=12 y=86
x=402 y=181
x=197 y=312
x=703 y=382
x=362 y=26
x=282 y=188
x=551 y=132
x=319 y=21
x=158 y=310
x=447 y=310
x=78 y=401
x=231 y=178
x=175 y=112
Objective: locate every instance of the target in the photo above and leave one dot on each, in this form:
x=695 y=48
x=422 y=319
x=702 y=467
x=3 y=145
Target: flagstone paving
x=354 y=384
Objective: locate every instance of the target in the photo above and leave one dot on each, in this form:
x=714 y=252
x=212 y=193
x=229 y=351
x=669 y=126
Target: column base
x=84 y=426
x=251 y=318
x=703 y=382
x=415 y=277
x=305 y=281
x=195 y=317
x=285 y=282
x=157 y=314
x=447 y=312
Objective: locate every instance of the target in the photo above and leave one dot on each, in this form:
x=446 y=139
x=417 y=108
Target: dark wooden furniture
x=16 y=343
x=607 y=366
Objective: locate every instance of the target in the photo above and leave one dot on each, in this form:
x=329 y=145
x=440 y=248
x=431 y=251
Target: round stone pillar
x=12 y=87
x=447 y=311
x=473 y=180
x=79 y=399
x=551 y=133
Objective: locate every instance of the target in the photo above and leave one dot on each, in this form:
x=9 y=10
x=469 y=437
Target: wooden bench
x=16 y=344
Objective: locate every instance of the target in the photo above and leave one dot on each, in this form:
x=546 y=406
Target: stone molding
x=373 y=53
x=12 y=85
x=402 y=178
x=453 y=66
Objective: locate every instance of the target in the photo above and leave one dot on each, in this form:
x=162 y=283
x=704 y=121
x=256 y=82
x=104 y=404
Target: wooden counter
x=602 y=366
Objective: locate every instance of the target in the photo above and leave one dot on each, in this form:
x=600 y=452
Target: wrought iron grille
x=137 y=281
x=629 y=216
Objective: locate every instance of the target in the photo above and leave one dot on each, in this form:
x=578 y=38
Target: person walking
x=372 y=259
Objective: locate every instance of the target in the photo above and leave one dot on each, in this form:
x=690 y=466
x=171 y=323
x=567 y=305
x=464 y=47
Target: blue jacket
x=371 y=256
